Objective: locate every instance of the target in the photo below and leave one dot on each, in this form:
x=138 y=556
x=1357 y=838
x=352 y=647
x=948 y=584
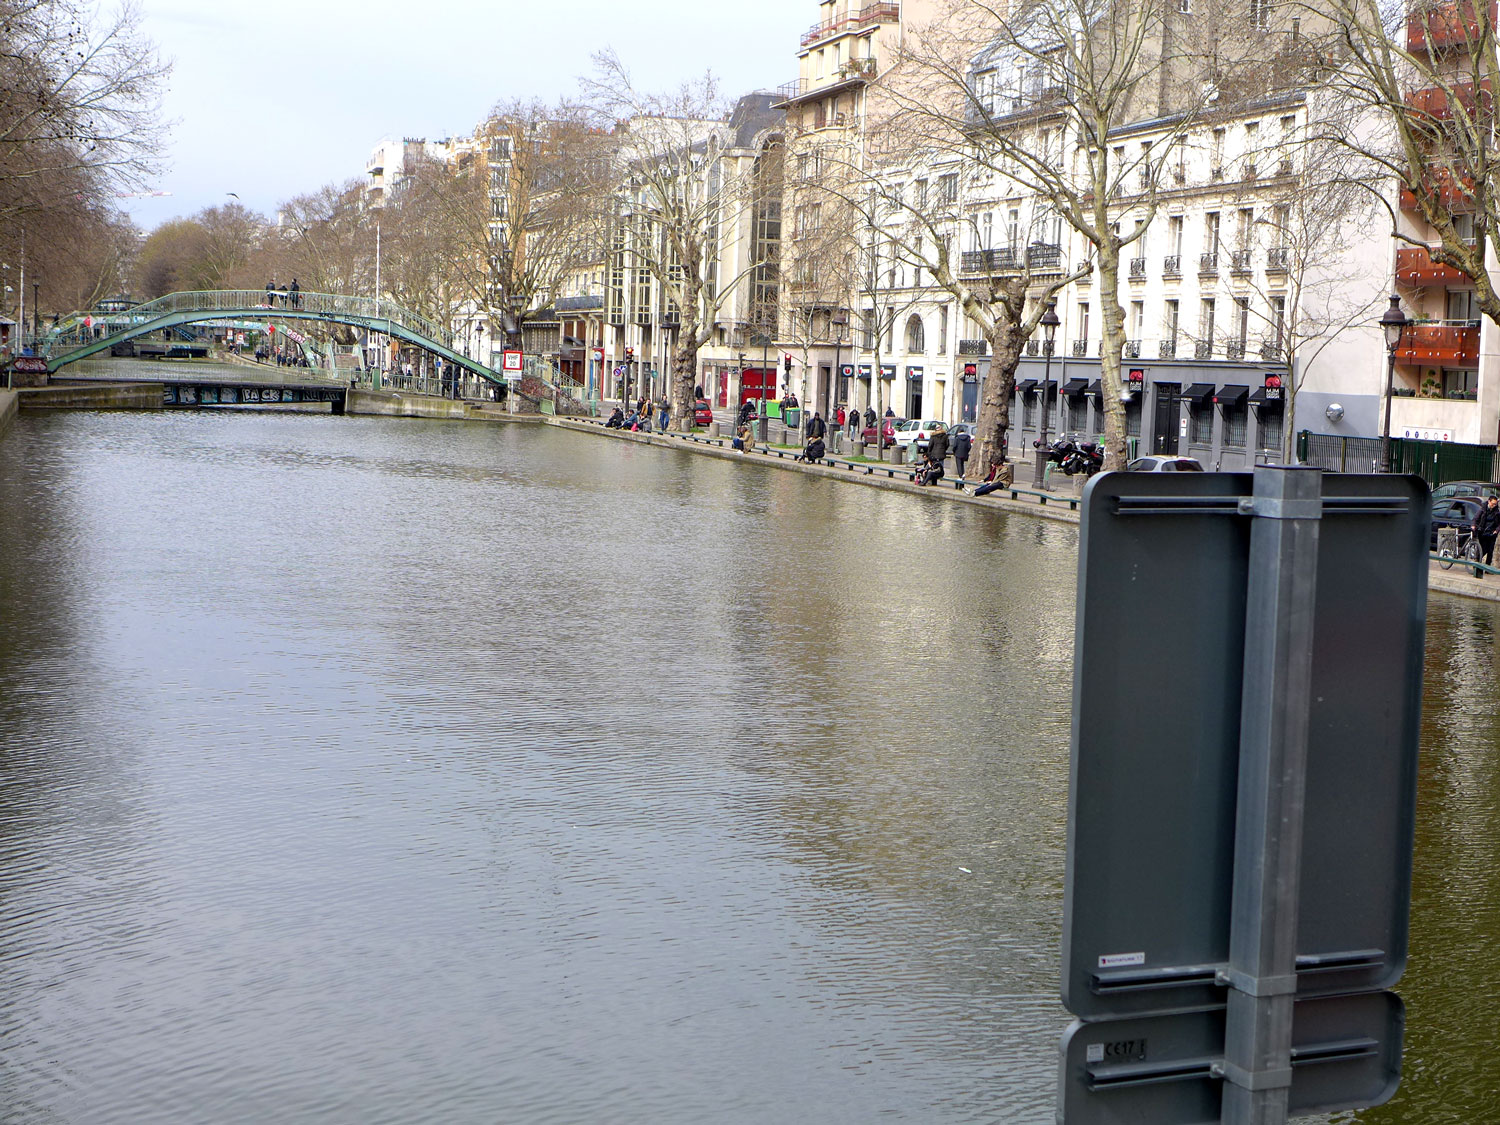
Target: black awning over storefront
x=1096 y=388
x=1027 y=386
x=1232 y=396
x=1199 y=393
x=1075 y=386
x=1258 y=397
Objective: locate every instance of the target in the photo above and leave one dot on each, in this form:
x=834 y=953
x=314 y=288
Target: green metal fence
x=1436 y=462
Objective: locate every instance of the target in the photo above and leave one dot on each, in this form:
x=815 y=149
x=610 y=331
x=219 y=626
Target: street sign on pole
x=1242 y=802
x=511 y=360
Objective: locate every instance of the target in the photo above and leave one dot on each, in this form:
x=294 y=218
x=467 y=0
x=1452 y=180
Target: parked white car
x=916 y=431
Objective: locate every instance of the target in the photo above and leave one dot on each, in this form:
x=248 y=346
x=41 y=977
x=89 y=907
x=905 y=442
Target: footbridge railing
x=74 y=339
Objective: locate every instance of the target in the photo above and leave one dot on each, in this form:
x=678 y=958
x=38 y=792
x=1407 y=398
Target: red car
x=887 y=429
x=703 y=414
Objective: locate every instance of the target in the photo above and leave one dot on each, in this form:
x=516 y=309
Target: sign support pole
x=1286 y=509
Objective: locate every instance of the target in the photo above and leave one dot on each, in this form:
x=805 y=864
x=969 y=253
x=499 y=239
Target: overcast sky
x=273 y=99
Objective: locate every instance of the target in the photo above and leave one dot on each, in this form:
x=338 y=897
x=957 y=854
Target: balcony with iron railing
x=1270 y=349
x=1137 y=269
x=1007 y=109
x=853 y=72
x=1132 y=349
x=1453 y=342
x=975 y=263
x=1171 y=266
x=1277 y=258
x=973 y=347
x=1167 y=349
x=1234 y=349
x=1203 y=349
x=1080 y=348
x=1239 y=263
x=1208 y=265
x=852 y=22
x=1414 y=266
x=1447 y=26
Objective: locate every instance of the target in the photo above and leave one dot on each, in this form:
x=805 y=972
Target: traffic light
x=629 y=354
x=786 y=365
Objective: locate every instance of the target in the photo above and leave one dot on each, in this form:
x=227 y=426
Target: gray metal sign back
x=1159 y=669
x=1346 y=1053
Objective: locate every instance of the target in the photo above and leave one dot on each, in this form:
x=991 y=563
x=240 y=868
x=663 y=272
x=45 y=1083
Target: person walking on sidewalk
x=665 y=416
x=816 y=427
x=1487 y=527
x=962 y=446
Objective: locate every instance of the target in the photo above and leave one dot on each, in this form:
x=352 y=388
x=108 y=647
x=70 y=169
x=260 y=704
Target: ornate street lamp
x=1049 y=323
x=1393 y=323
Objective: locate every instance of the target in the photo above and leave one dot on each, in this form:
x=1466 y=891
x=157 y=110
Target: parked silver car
x=1156 y=463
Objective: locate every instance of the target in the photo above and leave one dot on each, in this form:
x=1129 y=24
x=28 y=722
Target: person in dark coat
x=747 y=411
x=816 y=427
x=962 y=447
x=937 y=444
x=815 y=450
x=1487 y=527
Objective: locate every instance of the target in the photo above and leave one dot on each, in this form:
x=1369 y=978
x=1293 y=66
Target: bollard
x=898 y=455
x=713 y=429
x=857 y=449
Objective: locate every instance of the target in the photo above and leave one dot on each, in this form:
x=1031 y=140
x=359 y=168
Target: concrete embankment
x=95 y=396
x=1457 y=582
x=392 y=404
x=1055 y=510
x=8 y=408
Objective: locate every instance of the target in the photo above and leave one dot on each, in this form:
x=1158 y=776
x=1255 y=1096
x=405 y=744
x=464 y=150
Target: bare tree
x=78 y=102
x=1034 y=94
x=1425 y=74
x=327 y=240
x=689 y=205
x=514 y=215
x=1324 y=199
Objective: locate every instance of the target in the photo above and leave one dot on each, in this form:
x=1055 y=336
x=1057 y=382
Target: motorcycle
x=1074 y=457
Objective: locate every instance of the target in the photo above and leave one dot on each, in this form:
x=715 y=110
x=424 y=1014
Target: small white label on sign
x=1183 y=431
x=1095 y=1052
x=1121 y=960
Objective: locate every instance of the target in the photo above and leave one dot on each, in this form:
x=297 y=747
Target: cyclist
x=1487 y=527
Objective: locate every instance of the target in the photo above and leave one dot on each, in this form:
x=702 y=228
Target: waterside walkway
x=1060 y=505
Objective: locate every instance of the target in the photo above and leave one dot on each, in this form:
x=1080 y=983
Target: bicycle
x=1456 y=544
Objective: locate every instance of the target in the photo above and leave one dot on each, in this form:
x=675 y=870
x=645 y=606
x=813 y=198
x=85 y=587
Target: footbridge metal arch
x=72 y=340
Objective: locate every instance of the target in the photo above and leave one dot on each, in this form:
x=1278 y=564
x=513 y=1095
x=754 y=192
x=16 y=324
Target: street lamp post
x=1049 y=323
x=1393 y=323
x=840 y=322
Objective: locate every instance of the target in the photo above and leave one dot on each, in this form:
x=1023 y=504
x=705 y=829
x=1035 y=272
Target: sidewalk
x=1057 y=504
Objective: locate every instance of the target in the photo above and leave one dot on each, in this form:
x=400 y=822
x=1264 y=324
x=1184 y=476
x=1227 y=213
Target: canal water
x=394 y=771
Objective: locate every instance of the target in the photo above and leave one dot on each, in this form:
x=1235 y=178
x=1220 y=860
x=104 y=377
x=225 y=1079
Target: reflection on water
x=396 y=771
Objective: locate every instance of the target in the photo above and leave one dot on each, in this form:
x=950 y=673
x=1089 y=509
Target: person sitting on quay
x=744 y=440
x=814 y=452
x=937 y=447
x=616 y=420
x=930 y=471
